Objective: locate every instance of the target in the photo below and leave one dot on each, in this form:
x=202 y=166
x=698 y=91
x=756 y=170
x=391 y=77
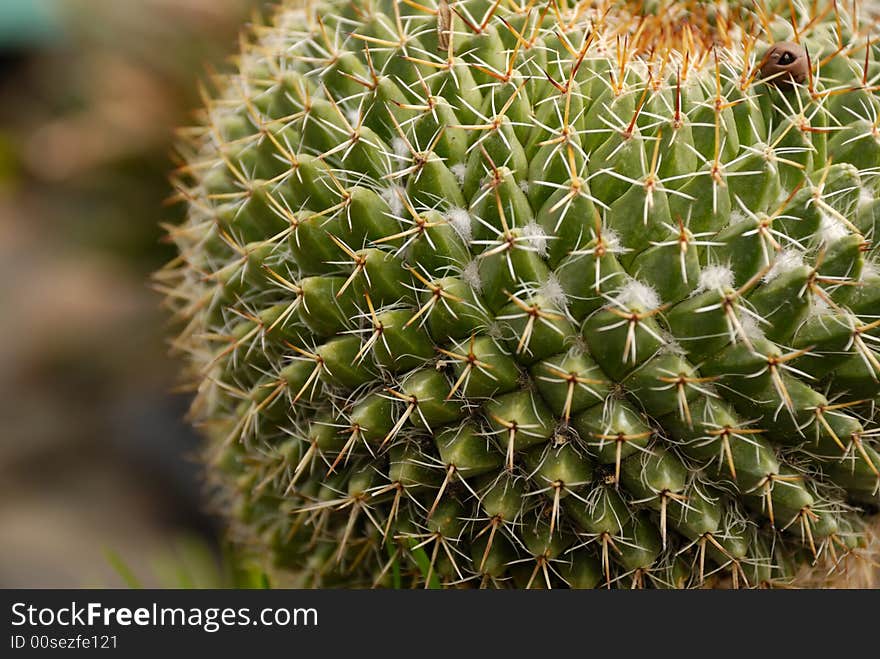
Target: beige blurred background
x=93 y=449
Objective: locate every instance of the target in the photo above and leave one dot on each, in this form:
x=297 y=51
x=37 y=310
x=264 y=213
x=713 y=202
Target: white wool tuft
x=750 y=327
x=869 y=271
x=354 y=116
x=471 y=275
x=818 y=306
x=391 y=196
x=612 y=241
x=736 y=216
x=865 y=196
x=460 y=220
x=552 y=291
x=524 y=186
x=458 y=171
x=714 y=278
x=786 y=261
x=578 y=346
x=637 y=295
x=495 y=331
x=536 y=236
x=671 y=346
x=831 y=230
x=401 y=150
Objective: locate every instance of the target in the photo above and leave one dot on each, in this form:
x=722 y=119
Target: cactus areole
x=545 y=294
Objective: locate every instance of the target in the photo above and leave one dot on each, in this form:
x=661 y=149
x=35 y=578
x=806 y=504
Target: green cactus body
x=538 y=294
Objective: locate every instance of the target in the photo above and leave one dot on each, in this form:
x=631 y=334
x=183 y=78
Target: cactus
x=539 y=294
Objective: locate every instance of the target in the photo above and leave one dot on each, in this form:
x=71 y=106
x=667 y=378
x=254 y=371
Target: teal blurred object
x=27 y=23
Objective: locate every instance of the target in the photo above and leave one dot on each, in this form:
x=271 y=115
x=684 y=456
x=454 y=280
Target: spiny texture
x=545 y=294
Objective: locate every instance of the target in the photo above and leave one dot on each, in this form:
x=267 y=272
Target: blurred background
x=96 y=478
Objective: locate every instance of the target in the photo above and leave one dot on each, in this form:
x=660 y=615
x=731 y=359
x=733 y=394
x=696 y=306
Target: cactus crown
x=539 y=293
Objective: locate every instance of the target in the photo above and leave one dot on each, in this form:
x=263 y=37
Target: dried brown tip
x=784 y=62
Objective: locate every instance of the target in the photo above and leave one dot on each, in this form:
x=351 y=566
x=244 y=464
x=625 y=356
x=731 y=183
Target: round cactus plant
x=539 y=294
